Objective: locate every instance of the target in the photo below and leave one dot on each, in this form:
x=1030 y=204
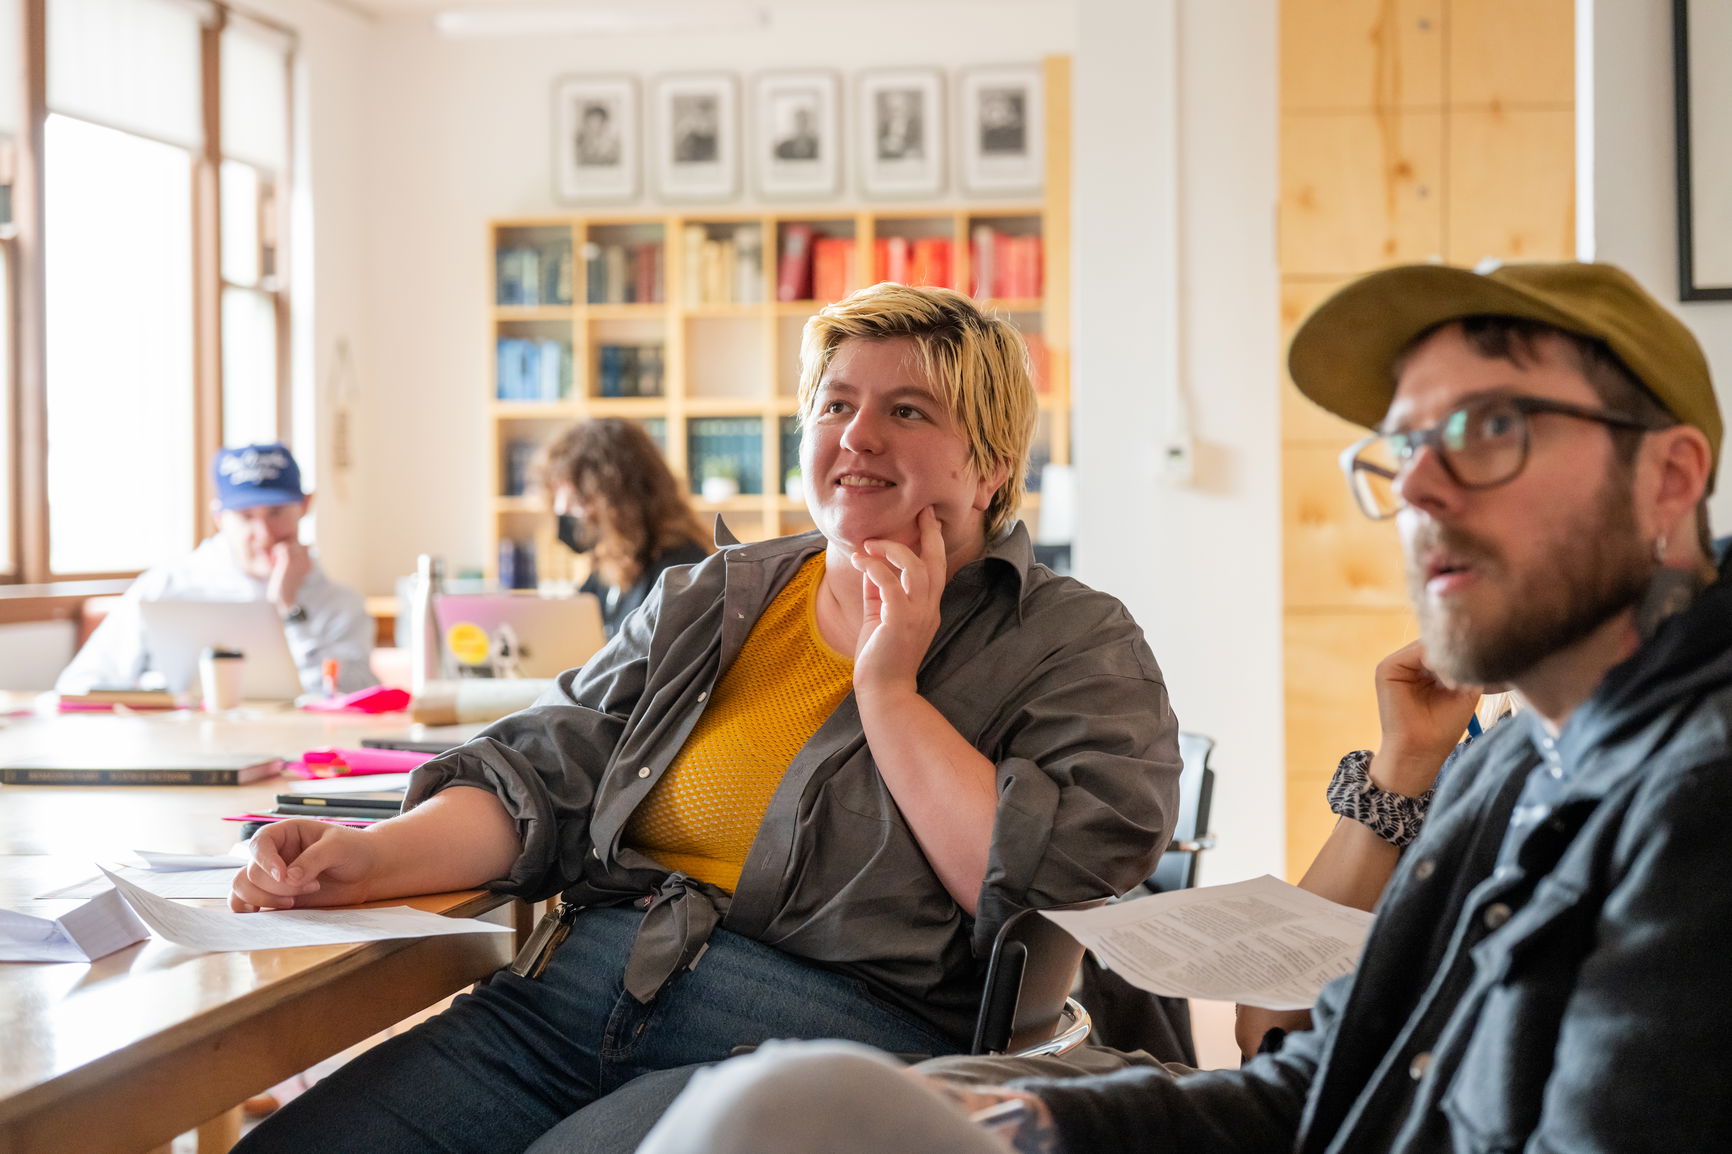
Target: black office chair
x=1025 y=1005
x=1177 y=869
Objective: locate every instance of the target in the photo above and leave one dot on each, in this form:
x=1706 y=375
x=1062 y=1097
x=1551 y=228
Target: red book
x=930 y=262
x=794 y=271
x=832 y=267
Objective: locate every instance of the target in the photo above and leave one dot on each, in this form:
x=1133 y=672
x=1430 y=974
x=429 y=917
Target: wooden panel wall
x=1411 y=130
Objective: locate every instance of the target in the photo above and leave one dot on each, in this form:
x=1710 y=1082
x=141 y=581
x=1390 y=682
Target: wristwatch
x=295 y=616
x=1394 y=817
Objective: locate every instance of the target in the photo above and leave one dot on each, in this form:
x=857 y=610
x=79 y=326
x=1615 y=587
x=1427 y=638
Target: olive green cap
x=1342 y=357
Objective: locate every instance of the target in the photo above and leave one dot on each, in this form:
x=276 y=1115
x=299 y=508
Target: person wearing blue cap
x=255 y=555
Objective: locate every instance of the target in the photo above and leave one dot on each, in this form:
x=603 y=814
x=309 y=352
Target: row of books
x=726 y=446
x=534 y=274
x=1005 y=265
x=922 y=260
x=533 y=370
x=629 y=370
x=730 y=269
x=623 y=274
x=815 y=267
x=724 y=269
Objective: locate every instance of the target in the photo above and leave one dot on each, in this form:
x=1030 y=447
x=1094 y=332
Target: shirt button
x=644 y=772
x=703 y=697
x=1425 y=868
x=1496 y=915
x=1421 y=1063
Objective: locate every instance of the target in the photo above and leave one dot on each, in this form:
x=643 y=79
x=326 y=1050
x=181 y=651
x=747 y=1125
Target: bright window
x=119 y=348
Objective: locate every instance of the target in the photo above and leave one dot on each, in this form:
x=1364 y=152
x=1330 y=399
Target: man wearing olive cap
x=1547 y=969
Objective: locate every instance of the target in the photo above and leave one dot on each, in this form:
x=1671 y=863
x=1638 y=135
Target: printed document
x=208 y=929
x=128 y=913
x=1260 y=942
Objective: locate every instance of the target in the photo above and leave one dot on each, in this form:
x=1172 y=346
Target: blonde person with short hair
x=795 y=796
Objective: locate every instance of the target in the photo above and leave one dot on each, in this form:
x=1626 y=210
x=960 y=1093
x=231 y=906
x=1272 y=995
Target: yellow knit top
x=704 y=813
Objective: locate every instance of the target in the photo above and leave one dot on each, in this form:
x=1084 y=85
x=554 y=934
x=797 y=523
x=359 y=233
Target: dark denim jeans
x=509 y=1062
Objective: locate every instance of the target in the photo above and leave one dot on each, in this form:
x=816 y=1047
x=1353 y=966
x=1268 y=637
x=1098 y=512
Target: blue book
x=609 y=371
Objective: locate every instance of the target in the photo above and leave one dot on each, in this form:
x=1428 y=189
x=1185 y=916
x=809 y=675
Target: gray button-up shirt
x=1051 y=680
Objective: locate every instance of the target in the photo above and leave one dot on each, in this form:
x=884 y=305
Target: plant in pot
x=792 y=485
x=720 y=479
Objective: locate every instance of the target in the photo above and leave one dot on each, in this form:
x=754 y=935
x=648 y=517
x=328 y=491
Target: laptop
x=176 y=632
x=517 y=634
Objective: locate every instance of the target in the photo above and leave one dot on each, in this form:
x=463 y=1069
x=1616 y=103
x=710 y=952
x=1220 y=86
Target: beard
x=1598 y=568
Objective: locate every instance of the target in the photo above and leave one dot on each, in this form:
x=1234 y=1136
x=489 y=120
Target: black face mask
x=575 y=533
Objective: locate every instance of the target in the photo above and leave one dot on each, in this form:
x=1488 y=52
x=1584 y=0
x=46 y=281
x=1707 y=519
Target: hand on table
x=300 y=863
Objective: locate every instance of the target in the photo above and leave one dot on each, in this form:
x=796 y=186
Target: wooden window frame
x=28 y=488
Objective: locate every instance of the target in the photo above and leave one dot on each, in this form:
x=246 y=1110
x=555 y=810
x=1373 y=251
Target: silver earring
x=1660 y=549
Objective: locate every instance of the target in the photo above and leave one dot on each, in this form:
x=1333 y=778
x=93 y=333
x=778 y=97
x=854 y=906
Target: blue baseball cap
x=253 y=475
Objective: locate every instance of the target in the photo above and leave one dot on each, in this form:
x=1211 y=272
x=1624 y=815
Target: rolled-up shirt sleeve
x=1087 y=773
x=545 y=763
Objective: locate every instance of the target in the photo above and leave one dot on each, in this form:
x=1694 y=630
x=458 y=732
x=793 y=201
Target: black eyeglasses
x=1481 y=445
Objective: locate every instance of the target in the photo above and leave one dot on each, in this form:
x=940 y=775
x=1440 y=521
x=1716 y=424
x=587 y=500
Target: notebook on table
x=141 y=769
x=517 y=634
x=177 y=632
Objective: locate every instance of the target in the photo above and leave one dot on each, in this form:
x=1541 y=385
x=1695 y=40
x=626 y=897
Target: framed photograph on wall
x=901 y=114
x=697 y=147
x=595 y=138
x=797 y=146
x=1002 y=130
x=1702 y=75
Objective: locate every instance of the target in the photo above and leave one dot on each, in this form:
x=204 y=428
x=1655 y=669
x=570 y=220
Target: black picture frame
x=1704 y=253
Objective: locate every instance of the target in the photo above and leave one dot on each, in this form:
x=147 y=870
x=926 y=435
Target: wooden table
x=123 y=1053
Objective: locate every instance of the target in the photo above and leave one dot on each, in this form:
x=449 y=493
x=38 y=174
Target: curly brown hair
x=619 y=473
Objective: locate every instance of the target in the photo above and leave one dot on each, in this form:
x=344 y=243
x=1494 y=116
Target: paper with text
x=93 y=930
x=1260 y=942
x=175 y=883
x=208 y=929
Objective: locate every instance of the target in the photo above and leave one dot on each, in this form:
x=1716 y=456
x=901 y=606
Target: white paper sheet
x=208 y=929
x=95 y=929
x=1260 y=942
x=173 y=883
x=361 y=783
x=161 y=860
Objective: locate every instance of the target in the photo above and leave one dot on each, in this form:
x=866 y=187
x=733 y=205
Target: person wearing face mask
x=617 y=501
x=255 y=555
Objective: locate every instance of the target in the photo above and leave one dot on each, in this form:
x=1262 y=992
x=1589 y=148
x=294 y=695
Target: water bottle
x=428 y=656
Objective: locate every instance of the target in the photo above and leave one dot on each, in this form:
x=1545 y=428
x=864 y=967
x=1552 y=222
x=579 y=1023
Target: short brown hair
x=619 y=472
x=976 y=361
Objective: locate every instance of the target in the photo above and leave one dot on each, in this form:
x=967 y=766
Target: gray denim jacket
x=1566 y=995
x=1050 y=679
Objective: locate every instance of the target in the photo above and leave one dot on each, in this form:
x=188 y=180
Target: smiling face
x=879 y=446
x=1506 y=577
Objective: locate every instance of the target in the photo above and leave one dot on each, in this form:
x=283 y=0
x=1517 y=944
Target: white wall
x=1198 y=565
x=1634 y=191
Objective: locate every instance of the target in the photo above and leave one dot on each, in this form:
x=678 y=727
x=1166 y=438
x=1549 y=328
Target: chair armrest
x=1075 y=1025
